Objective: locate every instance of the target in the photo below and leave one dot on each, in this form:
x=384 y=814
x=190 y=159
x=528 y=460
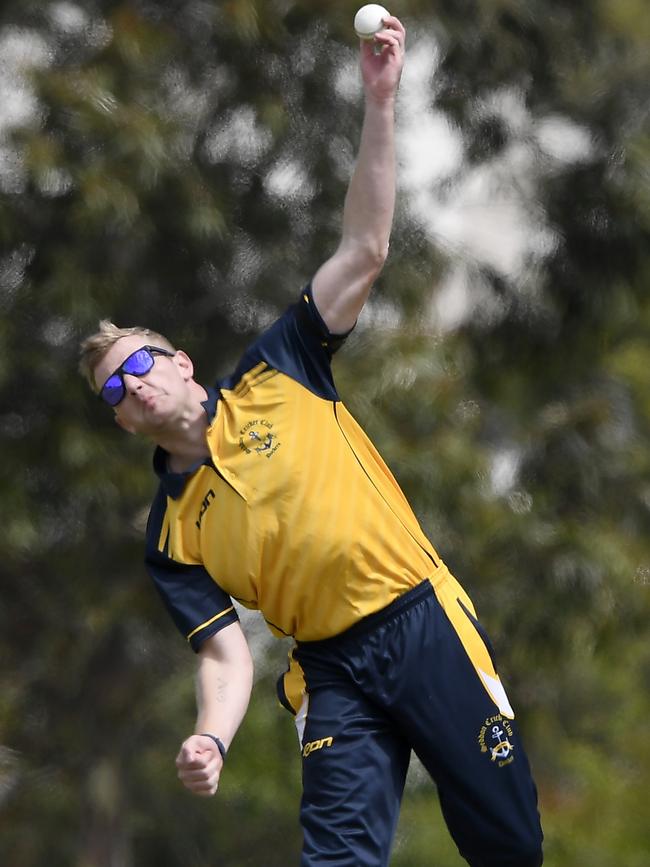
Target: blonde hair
x=95 y=347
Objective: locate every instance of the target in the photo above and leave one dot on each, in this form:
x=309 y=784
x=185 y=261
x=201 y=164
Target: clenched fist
x=199 y=765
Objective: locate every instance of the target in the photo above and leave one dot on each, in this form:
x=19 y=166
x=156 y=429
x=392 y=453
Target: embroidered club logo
x=264 y=444
x=496 y=740
x=258 y=437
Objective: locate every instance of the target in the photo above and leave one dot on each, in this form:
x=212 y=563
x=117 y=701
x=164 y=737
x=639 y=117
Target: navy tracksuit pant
x=401 y=680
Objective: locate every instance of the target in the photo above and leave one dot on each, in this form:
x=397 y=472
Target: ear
x=184 y=363
x=124 y=425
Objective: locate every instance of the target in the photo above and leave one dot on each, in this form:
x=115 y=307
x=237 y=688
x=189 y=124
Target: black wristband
x=218 y=742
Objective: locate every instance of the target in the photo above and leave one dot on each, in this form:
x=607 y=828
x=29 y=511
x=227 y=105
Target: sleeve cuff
x=211 y=627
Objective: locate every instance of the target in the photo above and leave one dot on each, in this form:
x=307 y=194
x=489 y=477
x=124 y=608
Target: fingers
x=203 y=788
x=200 y=780
x=203 y=782
x=393 y=34
x=394 y=25
x=187 y=755
x=386 y=45
x=199 y=769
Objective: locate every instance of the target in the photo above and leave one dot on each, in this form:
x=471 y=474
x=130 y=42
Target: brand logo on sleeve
x=258 y=436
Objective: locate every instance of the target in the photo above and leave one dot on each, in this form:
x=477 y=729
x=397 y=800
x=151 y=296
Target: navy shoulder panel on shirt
x=198 y=606
x=299 y=345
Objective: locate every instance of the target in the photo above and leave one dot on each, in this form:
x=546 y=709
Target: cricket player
x=271 y=494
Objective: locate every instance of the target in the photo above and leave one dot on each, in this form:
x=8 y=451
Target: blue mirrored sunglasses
x=137 y=364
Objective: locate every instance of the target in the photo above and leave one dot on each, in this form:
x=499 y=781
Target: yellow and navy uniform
x=294 y=513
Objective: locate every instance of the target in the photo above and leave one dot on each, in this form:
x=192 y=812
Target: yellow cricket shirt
x=294 y=513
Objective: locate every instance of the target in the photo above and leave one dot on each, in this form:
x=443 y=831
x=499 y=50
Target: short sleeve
x=196 y=604
x=299 y=345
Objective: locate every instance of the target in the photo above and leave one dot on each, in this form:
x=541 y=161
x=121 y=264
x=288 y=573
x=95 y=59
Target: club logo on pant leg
x=496 y=740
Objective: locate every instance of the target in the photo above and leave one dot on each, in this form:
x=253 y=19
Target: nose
x=132 y=383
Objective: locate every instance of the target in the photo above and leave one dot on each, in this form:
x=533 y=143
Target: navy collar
x=174 y=483
x=210 y=403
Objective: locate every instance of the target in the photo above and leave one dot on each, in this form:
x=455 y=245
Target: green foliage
x=184 y=166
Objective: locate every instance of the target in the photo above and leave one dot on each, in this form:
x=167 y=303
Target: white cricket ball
x=369 y=20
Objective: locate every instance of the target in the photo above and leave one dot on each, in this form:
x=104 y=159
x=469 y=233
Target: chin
x=152 y=425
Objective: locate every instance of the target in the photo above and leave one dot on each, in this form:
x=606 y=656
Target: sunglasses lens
x=112 y=391
x=139 y=363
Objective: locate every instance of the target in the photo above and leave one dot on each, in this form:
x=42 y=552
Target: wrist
x=382 y=103
x=220 y=744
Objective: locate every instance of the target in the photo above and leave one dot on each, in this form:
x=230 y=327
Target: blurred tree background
x=182 y=164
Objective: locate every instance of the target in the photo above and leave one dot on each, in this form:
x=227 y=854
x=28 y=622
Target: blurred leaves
x=183 y=166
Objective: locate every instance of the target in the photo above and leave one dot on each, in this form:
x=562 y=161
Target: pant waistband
x=372 y=621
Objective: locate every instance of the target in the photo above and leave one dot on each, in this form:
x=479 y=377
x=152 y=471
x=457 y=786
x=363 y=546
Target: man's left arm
x=341 y=286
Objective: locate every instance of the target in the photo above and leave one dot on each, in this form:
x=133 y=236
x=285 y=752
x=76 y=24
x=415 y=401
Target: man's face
x=153 y=403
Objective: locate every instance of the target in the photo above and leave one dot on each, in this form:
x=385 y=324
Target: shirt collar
x=174 y=483
x=210 y=403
